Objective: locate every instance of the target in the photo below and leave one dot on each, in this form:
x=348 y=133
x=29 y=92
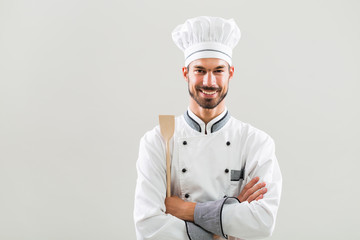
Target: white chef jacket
x=204 y=168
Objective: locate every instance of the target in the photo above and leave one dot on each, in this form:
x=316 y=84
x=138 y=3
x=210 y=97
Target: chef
x=219 y=165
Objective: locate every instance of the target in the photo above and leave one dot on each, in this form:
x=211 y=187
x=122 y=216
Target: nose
x=209 y=79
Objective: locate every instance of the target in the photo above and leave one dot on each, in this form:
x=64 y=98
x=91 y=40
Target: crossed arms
x=250 y=215
x=185 y=210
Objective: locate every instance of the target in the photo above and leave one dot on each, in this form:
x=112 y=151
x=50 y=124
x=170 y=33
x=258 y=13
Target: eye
x=199 y=71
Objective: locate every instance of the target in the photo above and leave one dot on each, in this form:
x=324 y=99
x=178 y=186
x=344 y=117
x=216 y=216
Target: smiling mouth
x=208 y=92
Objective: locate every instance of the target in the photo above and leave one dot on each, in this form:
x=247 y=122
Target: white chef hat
x=207 y=37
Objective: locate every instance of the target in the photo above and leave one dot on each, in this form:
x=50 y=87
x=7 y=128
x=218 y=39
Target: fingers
x=248 y=186
x=251 y=183
x=252 y=191
x=257 y=195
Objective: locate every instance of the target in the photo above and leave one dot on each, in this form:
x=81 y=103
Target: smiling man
x=219 y=165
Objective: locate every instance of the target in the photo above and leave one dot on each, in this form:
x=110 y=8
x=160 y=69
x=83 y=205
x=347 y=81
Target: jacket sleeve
x=229 y=217
x=151 y=221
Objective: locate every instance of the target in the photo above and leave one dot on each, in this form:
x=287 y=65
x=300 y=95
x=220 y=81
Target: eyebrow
x=218 y=67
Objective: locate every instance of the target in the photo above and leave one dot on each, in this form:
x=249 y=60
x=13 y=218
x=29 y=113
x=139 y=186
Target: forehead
x=208 y=63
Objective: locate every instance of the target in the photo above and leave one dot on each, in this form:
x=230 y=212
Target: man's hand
x=179 y=208
x=253 y=192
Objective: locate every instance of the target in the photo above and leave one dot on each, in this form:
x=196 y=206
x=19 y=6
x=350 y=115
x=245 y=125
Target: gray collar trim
x=192 y=123
x=215 y=127
x=219 y=124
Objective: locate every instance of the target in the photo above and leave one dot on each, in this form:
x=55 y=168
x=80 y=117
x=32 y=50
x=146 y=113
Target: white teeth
x=209 y=93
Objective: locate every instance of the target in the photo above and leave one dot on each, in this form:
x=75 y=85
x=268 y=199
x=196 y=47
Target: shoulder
x=250 y=133
x=151 y=151
x=152 y=136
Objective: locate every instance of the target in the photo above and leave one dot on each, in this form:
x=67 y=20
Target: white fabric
x=205 y=157
x=207 y=37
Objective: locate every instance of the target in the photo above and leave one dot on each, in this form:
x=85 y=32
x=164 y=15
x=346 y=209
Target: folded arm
x=151 y=221
x=242 y=217
x=150 y=217
x=253 y=191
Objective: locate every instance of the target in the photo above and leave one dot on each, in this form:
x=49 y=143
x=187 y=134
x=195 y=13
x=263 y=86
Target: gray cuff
x=195 y=232
x=208 y=215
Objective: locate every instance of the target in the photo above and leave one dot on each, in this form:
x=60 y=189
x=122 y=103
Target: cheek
x=222 y=81
x=195 y=81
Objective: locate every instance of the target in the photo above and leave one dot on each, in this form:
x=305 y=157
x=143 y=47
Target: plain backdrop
x=82 y=81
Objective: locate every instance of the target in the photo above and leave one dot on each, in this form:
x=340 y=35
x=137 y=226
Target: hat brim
x=208 y=53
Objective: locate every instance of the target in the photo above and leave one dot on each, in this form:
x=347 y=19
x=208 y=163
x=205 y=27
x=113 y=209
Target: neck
x=206 y=115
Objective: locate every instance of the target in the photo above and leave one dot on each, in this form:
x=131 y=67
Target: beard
x=207 y=103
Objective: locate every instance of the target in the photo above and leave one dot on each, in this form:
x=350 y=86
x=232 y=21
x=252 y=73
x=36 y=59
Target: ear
x=231 y=72
x=185 y=74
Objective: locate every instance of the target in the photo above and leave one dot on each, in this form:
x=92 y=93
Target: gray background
x=82 y=81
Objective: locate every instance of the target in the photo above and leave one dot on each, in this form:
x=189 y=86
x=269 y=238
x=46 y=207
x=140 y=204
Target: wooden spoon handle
x=168 y=175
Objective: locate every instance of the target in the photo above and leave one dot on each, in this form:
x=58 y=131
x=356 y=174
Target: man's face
x=208 y=81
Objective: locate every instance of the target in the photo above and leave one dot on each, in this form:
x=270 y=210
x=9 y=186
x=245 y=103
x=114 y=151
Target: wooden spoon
x=167 y=127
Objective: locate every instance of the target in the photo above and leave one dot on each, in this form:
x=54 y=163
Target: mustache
x=206 y=88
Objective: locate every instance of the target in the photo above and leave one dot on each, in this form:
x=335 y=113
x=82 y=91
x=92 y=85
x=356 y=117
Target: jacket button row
x=187 y=195
x=226 y=170
x=184 y=170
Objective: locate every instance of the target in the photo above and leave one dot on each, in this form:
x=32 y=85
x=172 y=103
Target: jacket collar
x=214 y=125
